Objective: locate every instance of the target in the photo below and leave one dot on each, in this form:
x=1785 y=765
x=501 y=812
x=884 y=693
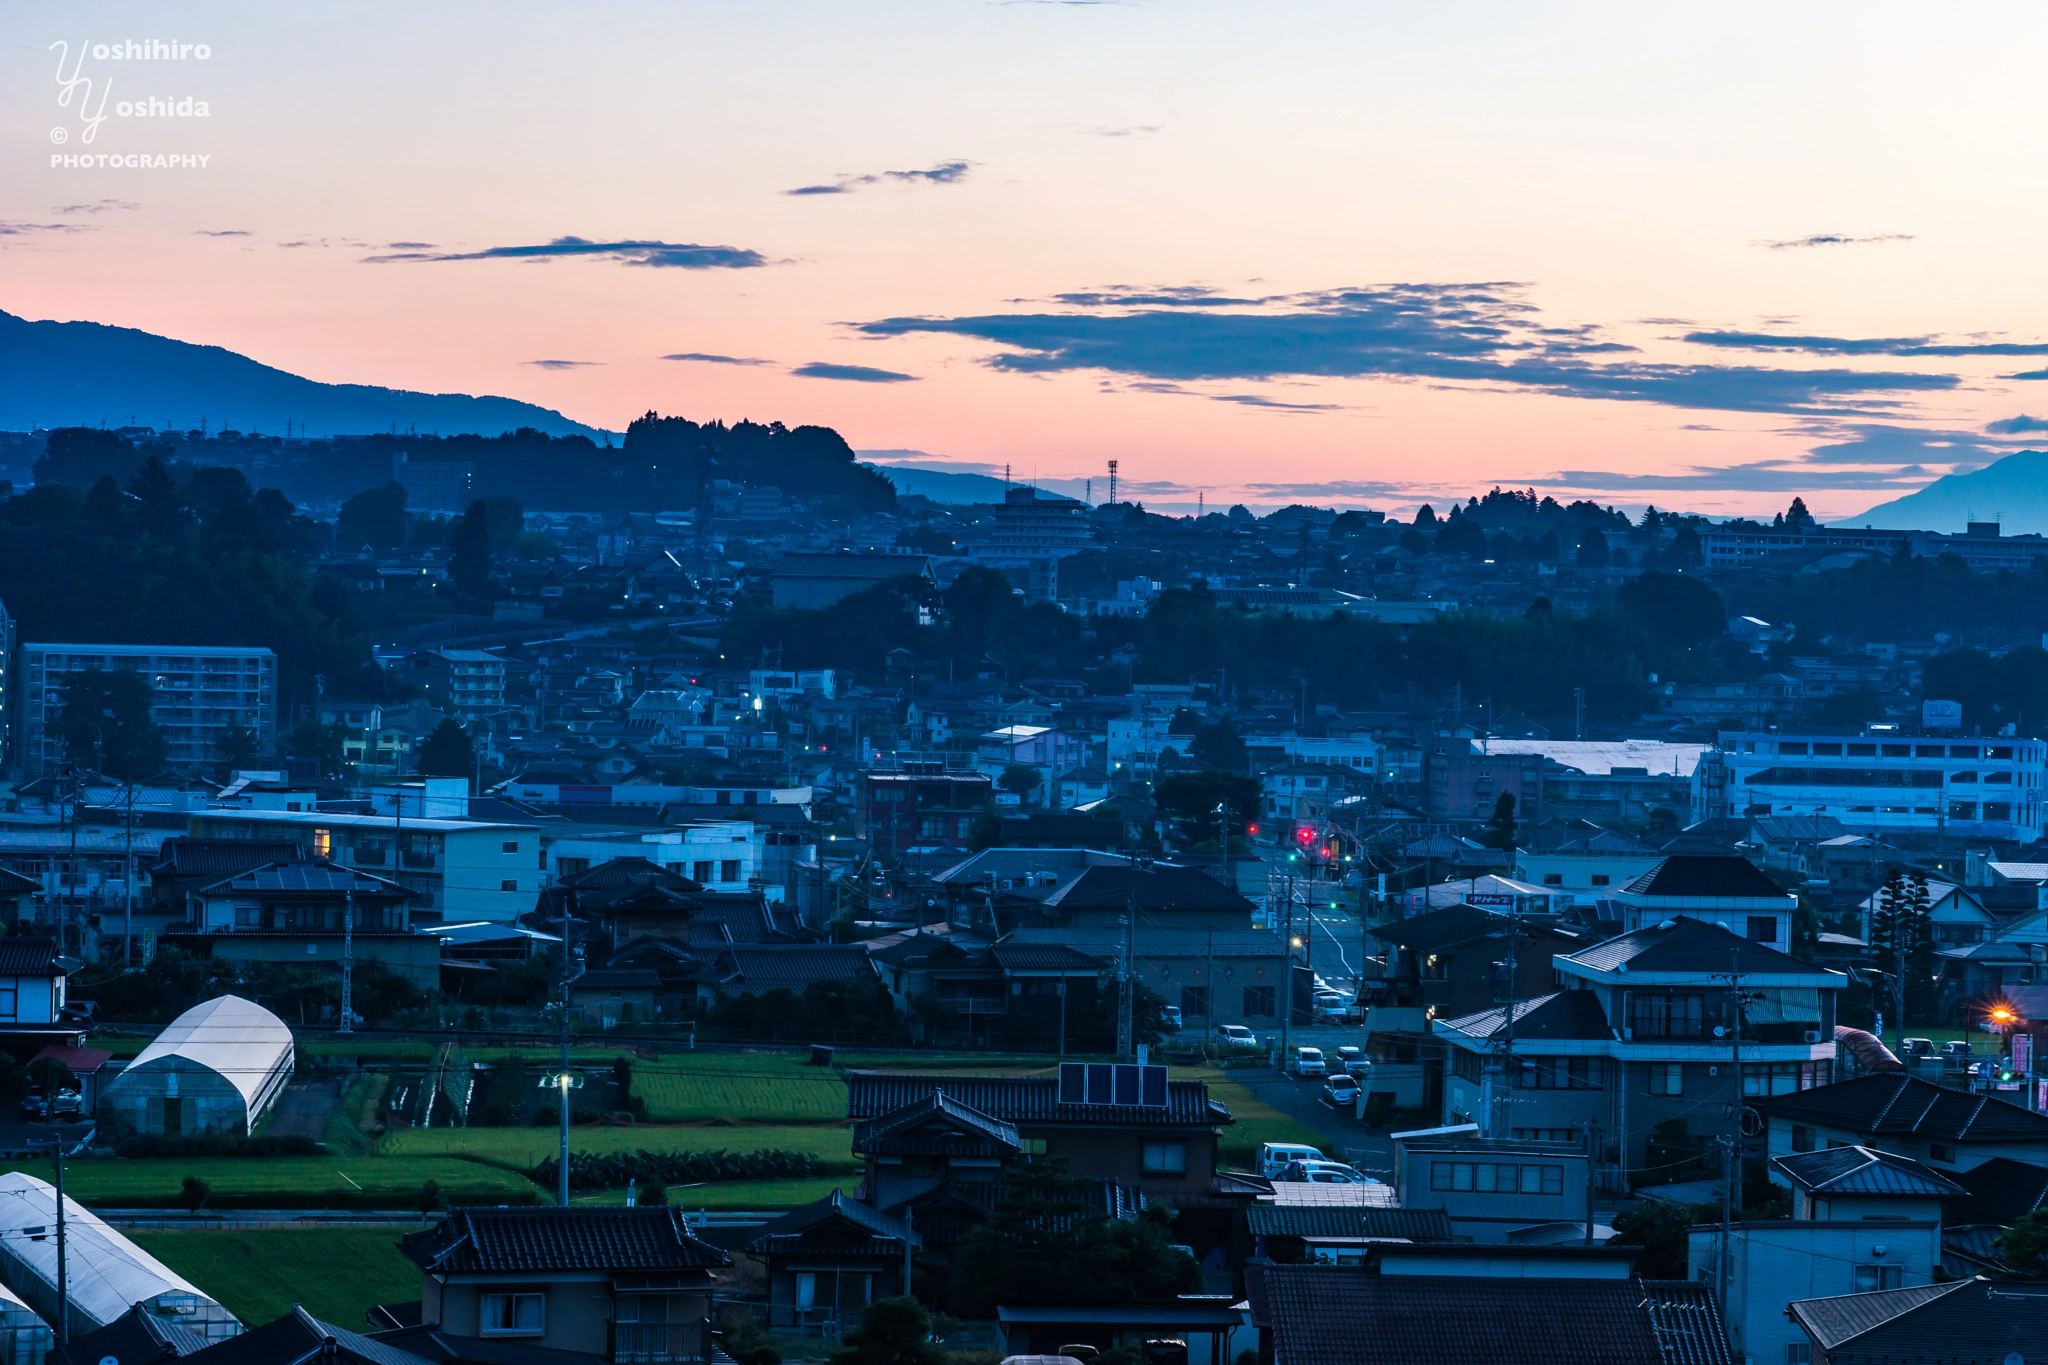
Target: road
x=1344 y=1137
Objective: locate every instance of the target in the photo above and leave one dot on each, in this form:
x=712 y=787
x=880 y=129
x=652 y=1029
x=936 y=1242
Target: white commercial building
x=1880 y=783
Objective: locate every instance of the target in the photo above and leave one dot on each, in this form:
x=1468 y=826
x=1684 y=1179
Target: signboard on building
x=1941 y=715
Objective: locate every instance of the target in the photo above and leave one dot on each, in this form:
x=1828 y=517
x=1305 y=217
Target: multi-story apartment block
x=469 y=683
x=201 y=691
x=1880 y=782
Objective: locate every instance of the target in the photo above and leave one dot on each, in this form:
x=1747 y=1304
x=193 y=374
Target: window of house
x=1669 y=1016
x=1553 y=879
x=1870 y=1278
x=1601 y=879
x=1487 y=1177
x=510 y=846
x=1466 y=1065
x=1258 y=1002
x=508 y=1315
x=509 y=884
x=700 y=872
x=1802 y=1138
x=569 y=867
x=1666 y=1078
x=806 y=1289
x=1763 y=928
x=1166 y=1158
x=1194 y=1000
x=1799 y=1353
x=1939 y=1151
x=729 y=870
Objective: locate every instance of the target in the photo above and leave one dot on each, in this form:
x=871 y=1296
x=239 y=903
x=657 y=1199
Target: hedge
x=609 y=1170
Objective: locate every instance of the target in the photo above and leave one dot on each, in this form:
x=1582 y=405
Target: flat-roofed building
x=200 y=693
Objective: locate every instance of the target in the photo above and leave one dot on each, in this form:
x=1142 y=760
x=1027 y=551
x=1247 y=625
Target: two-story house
x=1671 y=1006
x=625 y=1284
x=1950 y=1130
x=1862 y=1220
x=304 y=912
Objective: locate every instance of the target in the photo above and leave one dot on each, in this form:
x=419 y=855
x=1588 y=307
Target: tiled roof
x=1026 y=1099
x=1452 y=925
x=305 y=879
x=1686 y=1316
x=2001 y=1191
x=1689 y=945
x=1417 y=1225
x=1330 y=1315
x=544 y=1239
x=1703 y=875
x=623 y=871
x=1164 y=886
x=1045 y=957
x=937 y=1125
x=207 y=857
x=1561 y=1015
x=834 y=1225
x=1859 y=1170
x=298 y=1337
x=1890 y=1104
x=1963 y=1320
x=761 y=967
x=22 y=955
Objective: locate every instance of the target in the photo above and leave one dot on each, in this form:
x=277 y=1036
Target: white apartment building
x=201 y=691
x=1880 y=783
x=719 y=855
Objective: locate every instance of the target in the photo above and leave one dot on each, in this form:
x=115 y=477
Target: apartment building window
x=1870 y=1278
x=1601 y=879
x=1782 y=1078
x=1166 y=1158
x=1194 y=1000
x=514 y=1315
x=569 y=867
x=509 y=884
x=1666 y=1078
x=1669 y=1016
x=1553 y=879
x=1558 y=1073
x=1466 y=1066
x=729 y=870
x=1258 y=1002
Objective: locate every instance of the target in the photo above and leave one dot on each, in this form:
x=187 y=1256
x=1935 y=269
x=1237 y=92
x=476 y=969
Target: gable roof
x=1862 y=1170
x=1435 y=930
x=1336 y=1315
x=1028 y=1099
x=835 y=1225
x=1286 y=1220
x=23 y=955
x=1964 y=1320
x=541 y=1239
x=298 y=1337
x=187 y=857
x=304 y=878
x=1564 y=1015
x=1706 y=876
x=937 y=1125
x=1163 y=886
x=1888 y=1104
x=2000 y=1191
x=1686 y=1316
x=761 y=967
x=1691 y=946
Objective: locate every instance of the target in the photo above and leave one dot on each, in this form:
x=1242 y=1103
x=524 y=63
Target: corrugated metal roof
x=1861 y=1170
x=1686 y=1316
x=1028 y=1099
x=1358 y=1220
x=1890 y=1103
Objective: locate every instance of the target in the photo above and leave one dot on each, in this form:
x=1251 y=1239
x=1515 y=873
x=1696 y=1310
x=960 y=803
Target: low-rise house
x=1591 y=866
x=756 y=969
x=628 y=1284
x=612 y=995
x=1951 y=1130
x=1966 y=1320
x=306 y=912
x=1862 y=1220
x=32 y=990
x=829 y=1260
x=1489 y=1188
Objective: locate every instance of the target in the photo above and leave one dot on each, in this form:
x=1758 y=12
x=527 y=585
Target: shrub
x=195 y=1192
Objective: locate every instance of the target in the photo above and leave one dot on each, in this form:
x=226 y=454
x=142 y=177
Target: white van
x=1308 y=1061
x=1275 y=1157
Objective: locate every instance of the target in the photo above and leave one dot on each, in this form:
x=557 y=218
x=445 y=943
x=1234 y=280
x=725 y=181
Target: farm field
x=766 y=1087
x=528 y=1147
x=734 y=1194
x=1257 y=1121
x=258 y=1274
x=286 y=1181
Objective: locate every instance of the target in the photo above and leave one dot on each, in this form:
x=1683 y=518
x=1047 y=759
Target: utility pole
x=348 y=958
x=128 y=887
x=63 y=1281
x=1126 y=984
x=1287 y=973
x=562 y=1080
x=1505 y=1098
x=1590 y=1136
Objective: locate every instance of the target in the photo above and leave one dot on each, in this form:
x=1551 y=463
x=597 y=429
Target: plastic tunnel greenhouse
x=215 y=1069
x=105 y=1273
x=25 y=1339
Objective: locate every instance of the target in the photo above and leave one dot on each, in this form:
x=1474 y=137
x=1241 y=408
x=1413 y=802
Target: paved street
x=1344 y=1137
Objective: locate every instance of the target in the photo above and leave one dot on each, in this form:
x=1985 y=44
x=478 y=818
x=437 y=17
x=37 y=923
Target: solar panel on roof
x=1113 y=1084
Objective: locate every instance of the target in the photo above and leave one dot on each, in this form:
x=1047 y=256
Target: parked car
x=69 y=1105
x=1172 y=1016
x=1916 y=1047
x=1308 y=1061
x=1324 y=1173
x=1955 y=1053
x=1275 y=1157
x=32 y=1103
x=1348 y=1057
x=1340 y=1091
x=1236 y=1035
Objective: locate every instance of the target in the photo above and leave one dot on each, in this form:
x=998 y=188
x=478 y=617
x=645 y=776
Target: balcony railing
x=417 y=860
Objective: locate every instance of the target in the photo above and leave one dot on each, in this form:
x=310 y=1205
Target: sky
x=1351 y=254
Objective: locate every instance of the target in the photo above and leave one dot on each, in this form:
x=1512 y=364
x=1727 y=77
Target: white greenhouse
x=105 y=1273
x=215 y=1069
x=25 y=1339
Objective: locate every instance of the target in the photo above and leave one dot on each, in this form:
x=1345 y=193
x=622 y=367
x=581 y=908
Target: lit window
x=506 y=1315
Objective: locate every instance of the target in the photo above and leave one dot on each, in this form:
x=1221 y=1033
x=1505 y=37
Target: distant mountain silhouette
x=2012 y=491
x=55 y=374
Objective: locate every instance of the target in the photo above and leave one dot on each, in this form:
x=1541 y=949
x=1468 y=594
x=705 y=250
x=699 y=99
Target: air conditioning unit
x=1812 y=1036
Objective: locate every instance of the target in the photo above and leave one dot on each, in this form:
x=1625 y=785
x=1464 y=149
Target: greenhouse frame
x=25 y=1339
x=215 y=1069
x=105 y=1273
